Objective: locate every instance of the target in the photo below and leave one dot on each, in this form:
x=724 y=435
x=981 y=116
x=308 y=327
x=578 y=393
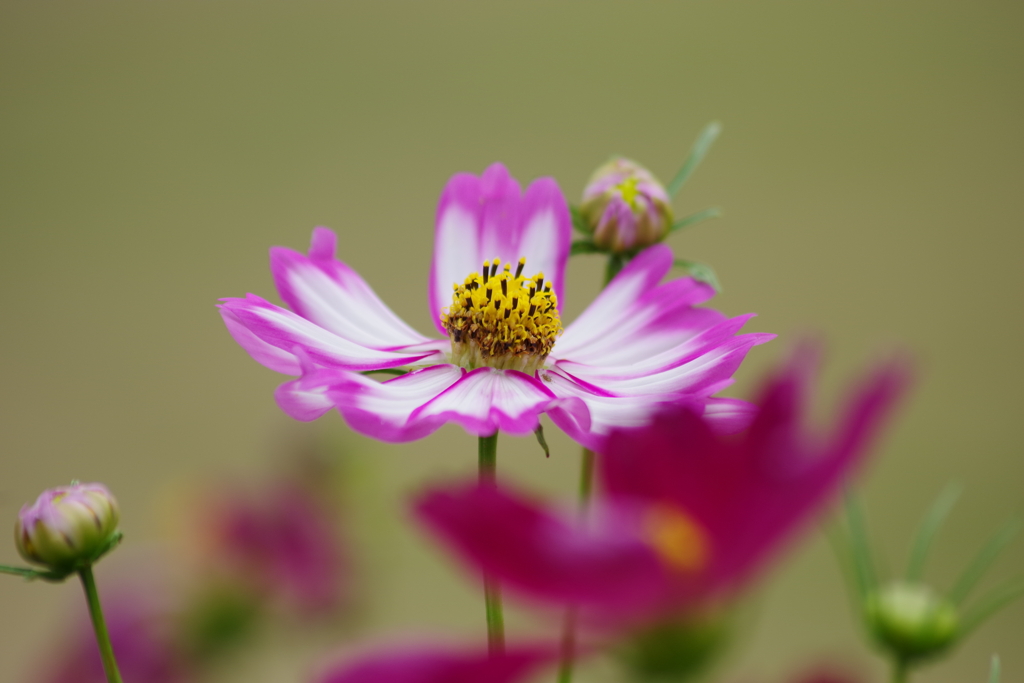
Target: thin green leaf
x=697 y=152
x=990 y=604
x=694 y=218
x=983 y=560
x=539 y=433
x=860 y=548
x=994 y=670
x=700 y=271
x=840 y=544
x=386 y=371
x=584 y=247
x=579 y=221
x=32 y=574
x=930 y=526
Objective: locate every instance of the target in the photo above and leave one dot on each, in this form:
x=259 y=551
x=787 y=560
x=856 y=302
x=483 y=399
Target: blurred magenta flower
x=626 y=207
x=142 y=632
x=687 y=514
x=283 y=543
x=67 y=525
x=506 y=361
x=426 y=664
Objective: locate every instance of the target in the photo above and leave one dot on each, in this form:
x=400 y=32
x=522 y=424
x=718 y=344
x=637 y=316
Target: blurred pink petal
x=141 y=632
x=285 y=543
x=426 y=664
x=688 y=513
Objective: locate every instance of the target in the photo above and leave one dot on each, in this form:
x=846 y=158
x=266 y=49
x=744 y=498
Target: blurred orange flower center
x=676 y=537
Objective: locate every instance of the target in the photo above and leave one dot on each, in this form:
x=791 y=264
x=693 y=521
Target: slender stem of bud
x=99 y=625
x=567 y=658
x=586 y=478
x=615 y=264
x=900 y=670
x=488 y=462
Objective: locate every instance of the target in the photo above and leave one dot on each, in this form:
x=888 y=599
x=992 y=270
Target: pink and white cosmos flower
x=495 y=286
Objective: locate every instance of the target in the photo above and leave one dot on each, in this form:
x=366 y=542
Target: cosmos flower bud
x=626 y=207
x=67 y=526
x=910 y=620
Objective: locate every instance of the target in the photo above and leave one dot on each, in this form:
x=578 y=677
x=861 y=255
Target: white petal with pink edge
x=606 y=411
x=487 y=400
x=635 y=318
x=692 y=369
x=414 y=405
x=486 y=217
x=329 y=293
x=265 y=354
x=272 y=325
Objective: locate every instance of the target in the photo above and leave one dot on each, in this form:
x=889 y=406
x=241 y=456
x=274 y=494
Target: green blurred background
x=870 y=172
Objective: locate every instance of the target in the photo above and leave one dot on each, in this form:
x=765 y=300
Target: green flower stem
x=900 y=671
x=488 y=462
x=99 y=625
x=567 y=657
x=615 y=264
x=586 y=477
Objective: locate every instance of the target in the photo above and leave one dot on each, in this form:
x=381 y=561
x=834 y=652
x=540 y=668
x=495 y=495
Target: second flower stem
x=567 y=659
x=488 y=462
x=99 y=625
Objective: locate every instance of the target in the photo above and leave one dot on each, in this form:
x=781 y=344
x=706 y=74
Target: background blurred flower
x=142 y=625
x=283 y=543
x=437 y=664
x=687 y=513
x=638 y=345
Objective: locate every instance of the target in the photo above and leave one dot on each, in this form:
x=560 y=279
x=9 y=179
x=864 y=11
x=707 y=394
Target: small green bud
x=67 y=526
x=910 y=621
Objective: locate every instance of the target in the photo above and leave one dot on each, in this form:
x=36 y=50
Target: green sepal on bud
x=911 y=620
x=906 y=618
x=68 y=528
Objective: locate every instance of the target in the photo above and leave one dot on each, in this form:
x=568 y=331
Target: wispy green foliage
x=700 y=271
x=929 y=528
x=994 y=672
x=983 y=560
x=860 y=547
x=695 y=218
x=697 y=153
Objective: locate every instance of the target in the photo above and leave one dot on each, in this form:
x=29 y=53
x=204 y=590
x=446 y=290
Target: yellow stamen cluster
x=677 y=538
x=629 y=189
x=502 y=319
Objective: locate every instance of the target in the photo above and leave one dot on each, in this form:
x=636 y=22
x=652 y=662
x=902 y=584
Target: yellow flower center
x=629 y=190
x=677 y=538
x=502 y=320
